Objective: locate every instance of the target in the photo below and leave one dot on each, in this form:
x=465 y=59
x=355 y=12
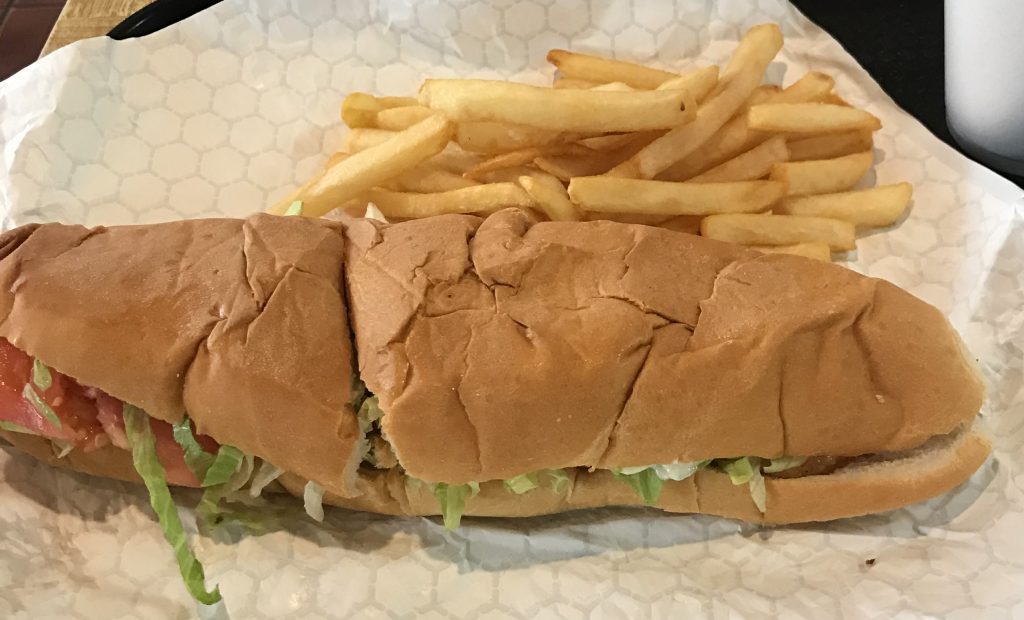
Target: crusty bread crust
x=506 y=345
x=242 y=323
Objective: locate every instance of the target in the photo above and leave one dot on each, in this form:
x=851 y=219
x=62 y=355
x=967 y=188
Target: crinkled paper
x=225 y=112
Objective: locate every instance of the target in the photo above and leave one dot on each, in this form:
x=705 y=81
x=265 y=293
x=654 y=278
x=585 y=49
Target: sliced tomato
x=89 y=418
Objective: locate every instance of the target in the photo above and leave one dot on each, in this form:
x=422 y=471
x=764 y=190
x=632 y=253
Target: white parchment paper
x=224 y=113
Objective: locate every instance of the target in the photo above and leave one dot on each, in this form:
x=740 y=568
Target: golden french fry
x=829 y=145
x=397 y=119
x=811 y=249
x=525 y=156
x=428 y=178
x=700 y=82
x=598 y=162
x=614 y=87
x=608 y=142
x=836 y=100
x=617 y=195
x=466 y=200
x=507 y=175
x=370 y=167
x=822 y=176
x=359 y=110
x=813 y=86
x=742 y=75
x=733 y=139
x=334 y=159
x=492 y=137
x=564 y=82
x=454 y=159
x=549 y=194
x=809 y=118
x=689 y=224
x=362 y=138
x=763 y=94
x=604 y=70
x=558 y=110
x=754 y=164
x=878 y=206
x=759 y=229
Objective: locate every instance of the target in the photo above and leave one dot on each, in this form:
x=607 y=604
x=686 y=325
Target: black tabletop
x=900 y=43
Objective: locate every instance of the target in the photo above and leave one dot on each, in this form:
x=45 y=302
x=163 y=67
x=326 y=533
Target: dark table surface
x=900 y=43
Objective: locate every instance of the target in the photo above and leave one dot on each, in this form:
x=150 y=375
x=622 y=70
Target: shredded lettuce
x=369 y=412
x=41 y=376
x=225 y=464
x=15 y=428
x=784 y=463
x=197 y=459
x=265 y=474
x=747 y=470
x=30 y=395
x=645 y=482
x=295 y=208
x=60 y=448
x=143 y=447
x=373 y=213
x=452 y=498
x=672 y=471
x=313 y=498
x=521 y=483
x=559 y=479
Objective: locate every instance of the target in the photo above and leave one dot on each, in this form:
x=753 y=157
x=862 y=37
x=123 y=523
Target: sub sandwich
x=497 y=367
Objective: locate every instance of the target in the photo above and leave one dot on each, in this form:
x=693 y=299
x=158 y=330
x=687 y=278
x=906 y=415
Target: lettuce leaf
x=740 y=470
x=757 y=490
x=30 y=395
x=784 y=463
x=452 y=498
x=41 y=376
x=313 y=499
x=522 y=483
x=265 y=474
x=559 y=479
x=197 y=459
x=224 y=466
x=369 y=412
x=143 y=447
x=646 y=483
x=295 y=208
x=60 y=448
x=15 y=428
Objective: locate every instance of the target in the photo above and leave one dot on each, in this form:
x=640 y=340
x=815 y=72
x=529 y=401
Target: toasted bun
x=241 y=323
x=505 y=346
x=859 y=489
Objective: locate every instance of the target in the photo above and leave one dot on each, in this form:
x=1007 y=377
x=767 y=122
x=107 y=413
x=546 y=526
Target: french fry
x=616 y=195
x=362 y=138
x=428 y=178
x=492 y=137
x=689 y=224
x=754 y=164
x=466 y=200
x=836 y=100
x=608 y=142
x=700 y=82
x=813 y=86
x=878 y=206
x=733 y=139
x=549 y=194
x=822 y=176
x=811 y=249
x=759 y=229
x=360 y=110
x=455 y=159
x=614 y=87
x=524 y=156
x=598 y=162
x=334 y=159
x=397 y=119
x=507 y=175
x=564 y=82
x=828 y=145
x=558 y=110
x=370 y=167
x=604 y=70
x=741 y=76
x=763 y=94
x=808 y=118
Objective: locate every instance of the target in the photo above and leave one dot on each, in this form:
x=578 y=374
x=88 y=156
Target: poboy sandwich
x=511 y=368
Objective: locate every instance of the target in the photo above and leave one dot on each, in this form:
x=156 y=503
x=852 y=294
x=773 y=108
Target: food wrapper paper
x=225 y=112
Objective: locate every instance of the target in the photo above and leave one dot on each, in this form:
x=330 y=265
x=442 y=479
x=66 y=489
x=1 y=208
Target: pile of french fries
x=712 y=151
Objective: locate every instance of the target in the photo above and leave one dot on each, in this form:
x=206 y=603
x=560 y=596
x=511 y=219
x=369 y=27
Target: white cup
x=985 y=80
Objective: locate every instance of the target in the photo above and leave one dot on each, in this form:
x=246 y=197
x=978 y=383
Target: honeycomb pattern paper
x=224 y=113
